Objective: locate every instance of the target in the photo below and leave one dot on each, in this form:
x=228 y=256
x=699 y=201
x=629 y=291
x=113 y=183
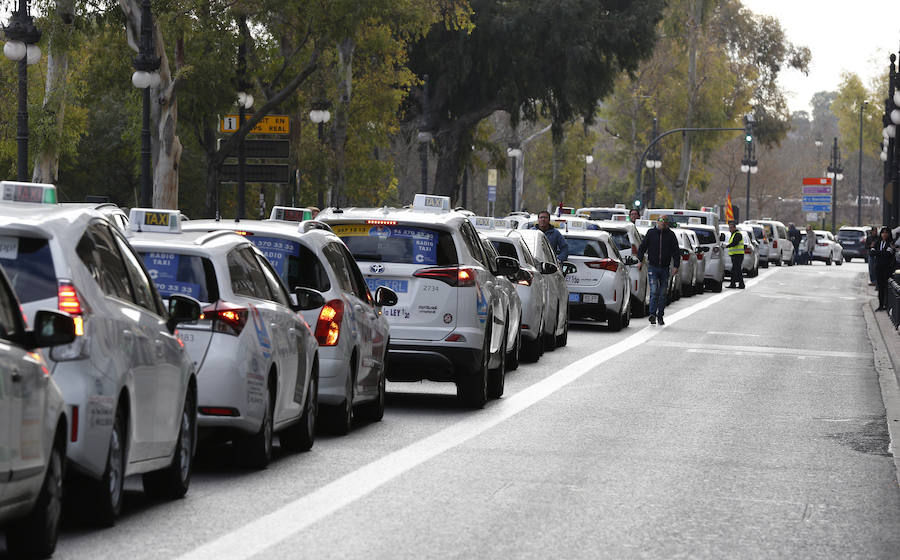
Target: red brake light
x=68 y=298
x=746 y=250
x=74 y=433
x=381 y=222
x=218 y=411
x=775 y=244
x=226 y=318
x=454 y=276
x=328 y=327
x=685 y=256
x=603 y=264
x=699 y=256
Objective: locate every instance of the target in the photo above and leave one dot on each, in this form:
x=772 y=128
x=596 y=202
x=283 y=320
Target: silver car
x=513 y=306
x=627 y=238
x=713 y=255
x=556 y=315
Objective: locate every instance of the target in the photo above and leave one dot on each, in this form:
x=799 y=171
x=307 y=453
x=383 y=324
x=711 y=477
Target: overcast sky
x=856 y=36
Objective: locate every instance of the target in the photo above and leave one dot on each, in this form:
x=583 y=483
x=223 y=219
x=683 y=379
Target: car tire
x=302 y=435
x=626 y=320
x=496 y=382
x=109 y=491
x=847 y=259
x=838 y=261
x=35 y=535
x=339 y=418
x=615 y=322
x=257 y=448
x=471 y=389
x=828 y=261
x=550 y=339
x=765 y=263
x=173 y=481
x=512 y=357
x=373 y=411
x=563 y=339
x=716 y=286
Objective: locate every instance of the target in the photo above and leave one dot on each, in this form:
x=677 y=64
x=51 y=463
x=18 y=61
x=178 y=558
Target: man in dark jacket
x=661 y=247
x=883 y=252
x=556 y=239
x=795 y=236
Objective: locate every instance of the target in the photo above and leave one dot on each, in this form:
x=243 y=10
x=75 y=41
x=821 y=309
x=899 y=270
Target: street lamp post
x=514 y=152
x=836 y=173
x=748 y=163
x=424 y=136
x=145 y=76
x=244 y=102
x=20 y=47
x=890 y=120
x=859 y=177
x=320 y=115
x=653 y=162
x=588 y=159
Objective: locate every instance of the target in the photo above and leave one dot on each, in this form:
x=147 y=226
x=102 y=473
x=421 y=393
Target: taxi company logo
x=448 y=318
x=376 y=268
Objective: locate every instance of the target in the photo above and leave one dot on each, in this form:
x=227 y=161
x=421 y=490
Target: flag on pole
x=729 y=211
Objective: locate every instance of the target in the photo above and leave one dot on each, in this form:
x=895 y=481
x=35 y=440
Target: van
x=781 y=250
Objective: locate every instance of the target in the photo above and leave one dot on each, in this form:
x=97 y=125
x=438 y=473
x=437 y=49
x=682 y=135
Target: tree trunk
x=341 y=118
x=445 y=177
x=684 y=171
x=46 y=161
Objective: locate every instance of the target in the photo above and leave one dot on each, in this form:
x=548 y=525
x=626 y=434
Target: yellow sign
x=270 y=124
x=156 y=219
x=351 y=230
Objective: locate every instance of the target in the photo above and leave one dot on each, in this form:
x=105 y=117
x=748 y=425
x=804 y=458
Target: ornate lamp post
x=835 y=173
x=588 y=159
x=145 y=76
x=20 y=47
x=514 y=152
x=859 y=177
x=319 y=116
x=891 y=119
x=748 y=163
x=653 y=162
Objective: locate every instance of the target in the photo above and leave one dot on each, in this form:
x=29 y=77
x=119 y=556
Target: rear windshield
x=187 y=275
x=398 y=244
x=620 y=238
x=850 y=234
x=296 y=264
x=704 y=236
x=587 y=248
x=29 y=267
x=602 y=214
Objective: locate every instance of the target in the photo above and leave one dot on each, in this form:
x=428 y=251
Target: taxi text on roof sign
x=431 y=203
x=289 y=214
x=156 y=220
x=40 y=193
x=482 y=222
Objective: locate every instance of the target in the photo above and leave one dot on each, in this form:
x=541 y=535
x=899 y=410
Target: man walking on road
x=795 y=236
x=661 y=247
x=810 y=244
x=557 y=241
x=736 y=252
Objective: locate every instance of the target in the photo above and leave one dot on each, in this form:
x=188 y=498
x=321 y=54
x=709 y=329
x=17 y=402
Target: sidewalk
x=885 y=341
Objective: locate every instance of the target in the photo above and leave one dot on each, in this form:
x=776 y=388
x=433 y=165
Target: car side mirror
x=507 y=266
x=630 y=260
x=569 y=268
x=548 y=268
x=721 y=237
x=703 y=249
x=307 y=298
x=182 y=309
x=385 y=297
x=51 y=328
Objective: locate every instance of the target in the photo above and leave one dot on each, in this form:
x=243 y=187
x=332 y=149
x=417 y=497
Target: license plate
x=590 y=298
x=399 y=286
x=575 y=297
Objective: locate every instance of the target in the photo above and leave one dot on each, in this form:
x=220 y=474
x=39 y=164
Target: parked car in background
x=762 y=248
x=751 y=262
x=556 y=317
x=687 y=272
x=601 y=212
x=714 y=255
x=781 y=250
x=827 y=250
x=853 y=242
x=627 y=239
x=513 y=306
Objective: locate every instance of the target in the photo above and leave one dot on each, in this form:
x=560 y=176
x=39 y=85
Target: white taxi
x=349 y=327
x=511 y=303
x=449 y=323
x=36 y=422
x=129 y=387
x=533 y=295
x=627 y=239
x=256 y=359
x=600 y=289
x=687 y=272
x=713 y=254
x=556 y=291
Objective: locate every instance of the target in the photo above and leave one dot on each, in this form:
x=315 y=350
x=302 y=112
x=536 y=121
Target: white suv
x=449 y=323
x=129 y=386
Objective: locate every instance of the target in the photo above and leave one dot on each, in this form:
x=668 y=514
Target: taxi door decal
x=480 y=304
x=262 y=333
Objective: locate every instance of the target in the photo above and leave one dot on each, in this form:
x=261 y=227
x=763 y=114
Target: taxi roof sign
x=154 y=220
x=695 y=220
x=500 y=223
x=482 y=222
x=431 y=203
x=619 y=205
x=290 y=214
x=38 y=193
x=620 y=218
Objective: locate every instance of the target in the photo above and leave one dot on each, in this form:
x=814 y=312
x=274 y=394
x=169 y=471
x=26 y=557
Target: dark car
x=853 y=240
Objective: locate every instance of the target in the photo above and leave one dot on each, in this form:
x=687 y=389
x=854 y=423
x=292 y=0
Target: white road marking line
x=732 y=333
x=269 y=530
x=764 y=350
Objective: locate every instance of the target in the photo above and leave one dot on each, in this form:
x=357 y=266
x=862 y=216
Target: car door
x=163 y=379
x=366 y=317
x=23 y=395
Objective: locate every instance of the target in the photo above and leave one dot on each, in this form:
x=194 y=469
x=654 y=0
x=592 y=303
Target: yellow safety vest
x=736 y=249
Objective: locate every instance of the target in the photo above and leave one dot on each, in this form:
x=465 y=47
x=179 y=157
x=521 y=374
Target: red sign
x=816 y=181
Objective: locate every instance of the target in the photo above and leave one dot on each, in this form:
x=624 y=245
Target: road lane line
x=270 y=529
x=769 y=350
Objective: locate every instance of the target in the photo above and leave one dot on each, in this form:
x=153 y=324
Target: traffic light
x=637 y=203
x=748 y=128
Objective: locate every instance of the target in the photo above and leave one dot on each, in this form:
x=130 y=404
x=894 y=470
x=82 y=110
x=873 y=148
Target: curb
x=887 y=378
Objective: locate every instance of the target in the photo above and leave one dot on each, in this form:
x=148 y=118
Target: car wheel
x=626 y=319
x=472 y=388
x=257 y=448
x=497 y=376
x=563 y=339
x=614 y=322
x=173 y=481
x=34 y=536
x=716 y=286
x=512 y=357
x=340 y=418
x=107 y=499
x=550 y=339
x=765 y=263
x=374 y=411
x=847 y=259
x=302 y=435
x=828 y=261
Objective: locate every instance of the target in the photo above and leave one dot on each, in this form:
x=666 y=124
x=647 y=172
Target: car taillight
x=328 y=327
x=603 y=264
x=686 y=256
x=68 y=298
x=226 y=318
x=453 y=275
x=525 y=277
x=775 y=244
x=73 y=436
x=699 y=256
x=822 y=244
x=746 y=250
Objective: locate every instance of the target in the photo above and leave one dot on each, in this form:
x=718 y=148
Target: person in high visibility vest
x=736 y=252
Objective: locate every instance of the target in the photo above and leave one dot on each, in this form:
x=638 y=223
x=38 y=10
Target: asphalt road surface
x=751 y=425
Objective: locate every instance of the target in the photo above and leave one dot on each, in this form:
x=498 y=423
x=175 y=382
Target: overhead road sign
x=270 y=124
x=817 y=207
x=816 y=181
x=257 y=173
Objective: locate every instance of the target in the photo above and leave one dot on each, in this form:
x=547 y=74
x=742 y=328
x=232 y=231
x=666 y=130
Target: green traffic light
x=749 y=138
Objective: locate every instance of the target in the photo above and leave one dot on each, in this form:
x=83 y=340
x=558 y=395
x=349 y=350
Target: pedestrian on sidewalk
x=871 y=239
x=883 y=251
x=661 y=247
x=736 y=252
x=810 y=244
x=795 y=236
